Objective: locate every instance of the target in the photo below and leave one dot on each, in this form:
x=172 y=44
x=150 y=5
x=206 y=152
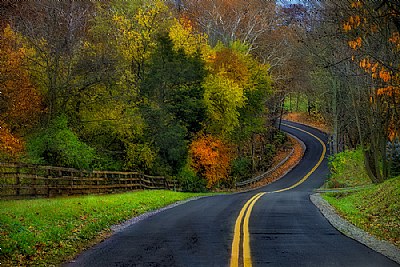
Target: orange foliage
x=376 y=69
x=389 y=91
x=395 y=39
x=384 y=75
x=355 y=44
x=356 y=4
x=211 y=158
x=9 y=144
x=20 y=102
x=352 y=23
x=186 y=22
x=393 y=132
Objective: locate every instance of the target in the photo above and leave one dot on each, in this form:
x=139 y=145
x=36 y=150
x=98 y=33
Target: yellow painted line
x=313 y=169
x=245 y=212
x=237 y=231
x=246 y=235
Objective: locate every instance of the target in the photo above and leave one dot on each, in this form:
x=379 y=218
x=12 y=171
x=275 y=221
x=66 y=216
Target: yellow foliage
x=184 y=38
x=135 y=36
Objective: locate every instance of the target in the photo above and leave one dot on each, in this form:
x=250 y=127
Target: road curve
x=283 y=228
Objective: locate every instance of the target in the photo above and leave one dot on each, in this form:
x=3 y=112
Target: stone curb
x=348 y=229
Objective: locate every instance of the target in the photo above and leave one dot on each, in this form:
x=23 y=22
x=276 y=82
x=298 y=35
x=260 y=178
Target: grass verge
x=50 y=231
x=375 y=209
x=346 y=170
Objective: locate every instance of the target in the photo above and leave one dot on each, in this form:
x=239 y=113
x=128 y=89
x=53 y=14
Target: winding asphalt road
x=283 y=228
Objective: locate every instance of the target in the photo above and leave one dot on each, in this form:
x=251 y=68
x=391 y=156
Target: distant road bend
x=276 y=225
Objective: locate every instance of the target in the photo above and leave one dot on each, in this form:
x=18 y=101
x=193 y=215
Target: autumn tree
x=20 y=101
x=211 y=158
x=173 y=94
x=372 y=29
x=359 y=58
x=56 y=32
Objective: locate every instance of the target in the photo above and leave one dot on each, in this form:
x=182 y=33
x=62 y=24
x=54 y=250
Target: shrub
x=59 y=145
x=190 y=182
x=241 y=169
x=347 y=169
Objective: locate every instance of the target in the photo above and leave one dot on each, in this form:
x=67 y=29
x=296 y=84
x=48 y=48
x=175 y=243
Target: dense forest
x=193 y=89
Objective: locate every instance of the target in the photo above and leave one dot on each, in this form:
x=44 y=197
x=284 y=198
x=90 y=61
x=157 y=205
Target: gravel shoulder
x=348 y=229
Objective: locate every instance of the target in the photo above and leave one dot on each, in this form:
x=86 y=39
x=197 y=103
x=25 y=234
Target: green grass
x=50 y=231
x=347 y=170
x=375 y=209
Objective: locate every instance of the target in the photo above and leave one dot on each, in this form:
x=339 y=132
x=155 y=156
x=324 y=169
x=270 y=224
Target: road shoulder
x=348 y=229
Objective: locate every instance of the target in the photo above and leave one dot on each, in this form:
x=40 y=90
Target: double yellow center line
x=245 y=212
x=244 y=215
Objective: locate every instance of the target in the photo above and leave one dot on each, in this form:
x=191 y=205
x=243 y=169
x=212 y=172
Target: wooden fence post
x=48 y=181
x=17 y=181
x=33 y=172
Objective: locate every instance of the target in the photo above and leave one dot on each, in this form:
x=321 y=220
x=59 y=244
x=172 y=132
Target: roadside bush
x=58 y=145
x=280 y=138
x=189 y=180
x=347 y=169
x=241 y=169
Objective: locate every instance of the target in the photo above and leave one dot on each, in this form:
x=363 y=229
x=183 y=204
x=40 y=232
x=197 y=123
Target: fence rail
x=27 y=180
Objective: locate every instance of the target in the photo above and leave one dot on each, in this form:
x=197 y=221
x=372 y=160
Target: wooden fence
x=27 y=180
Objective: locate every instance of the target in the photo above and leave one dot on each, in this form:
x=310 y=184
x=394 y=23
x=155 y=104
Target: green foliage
x=188 y=107
x=241 y=169
x=190 y=181
x=170 y=140
x=45 y=232
x=347 y=169
x=280 y=138
x=139 y=157
x=223 y=97
x=167 y=137
x=174 y=82
x=138 y=86
x=58 y=145
x=296 y=102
